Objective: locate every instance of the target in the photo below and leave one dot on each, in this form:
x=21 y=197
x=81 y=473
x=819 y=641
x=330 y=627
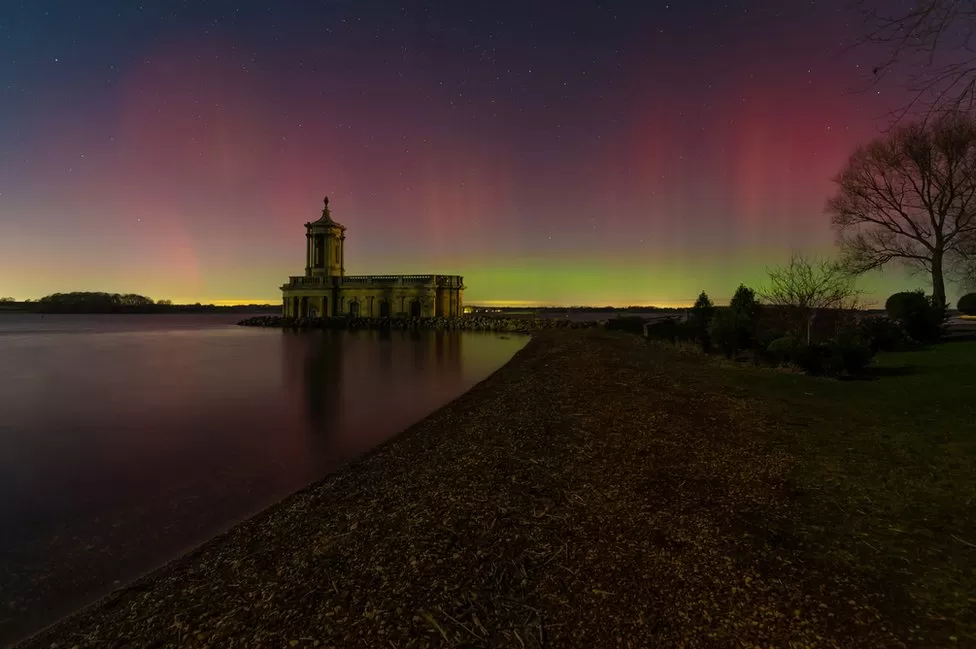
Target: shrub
x=813 y=358
x=883 y=334
x=685 y=333
x=670 y=330
x=629 y=323
x=966 y=304
x=849 y=354
x=921 y=319
x=781 y=350
x=899 y=304
x=727 y=331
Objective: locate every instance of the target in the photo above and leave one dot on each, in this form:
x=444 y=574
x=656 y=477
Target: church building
x=326 y=291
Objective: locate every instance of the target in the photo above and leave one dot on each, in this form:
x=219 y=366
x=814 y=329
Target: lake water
x=126 y=440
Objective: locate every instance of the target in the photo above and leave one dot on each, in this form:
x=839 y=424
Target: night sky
x=550 y=152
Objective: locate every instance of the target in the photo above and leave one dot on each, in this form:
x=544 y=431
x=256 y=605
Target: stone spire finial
x=326 y=218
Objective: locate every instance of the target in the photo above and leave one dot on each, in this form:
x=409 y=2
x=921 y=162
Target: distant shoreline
x=155 y=309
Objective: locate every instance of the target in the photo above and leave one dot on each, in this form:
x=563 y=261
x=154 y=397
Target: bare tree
x=806 y=286
x=910 y=197
x=933 y=42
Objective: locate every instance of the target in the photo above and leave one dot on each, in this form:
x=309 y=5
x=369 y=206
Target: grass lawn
x=887 y=470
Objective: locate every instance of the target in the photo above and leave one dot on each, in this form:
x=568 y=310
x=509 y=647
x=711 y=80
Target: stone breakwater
x=469 y=323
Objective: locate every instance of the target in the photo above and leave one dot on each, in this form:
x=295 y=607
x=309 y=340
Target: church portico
x=326 y=291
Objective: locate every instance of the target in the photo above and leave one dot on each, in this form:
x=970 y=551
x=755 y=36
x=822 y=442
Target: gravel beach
x=588 y=494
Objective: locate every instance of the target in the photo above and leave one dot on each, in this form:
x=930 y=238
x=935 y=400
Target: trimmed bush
x=922 y=319
x=899 y=305
x=966 y=304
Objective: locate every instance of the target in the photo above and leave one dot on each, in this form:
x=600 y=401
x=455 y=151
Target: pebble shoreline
x=467 y=323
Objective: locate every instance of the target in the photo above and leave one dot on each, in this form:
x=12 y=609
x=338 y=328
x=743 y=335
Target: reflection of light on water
x=409 y=371
x=358 y=388
x=168 y=429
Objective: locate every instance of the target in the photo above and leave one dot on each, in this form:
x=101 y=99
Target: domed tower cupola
x=323 y=245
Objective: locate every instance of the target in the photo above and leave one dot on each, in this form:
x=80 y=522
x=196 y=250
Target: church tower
x=324 y=240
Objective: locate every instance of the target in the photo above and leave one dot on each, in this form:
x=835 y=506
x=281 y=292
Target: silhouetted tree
x=734 y=329
x=7 y=300
x=703 y=306
x=931 y=42
x=803 y=287
x=744 y=302
x=94 y=302
x=699 y=319
x=132 y=299
x=910 y=196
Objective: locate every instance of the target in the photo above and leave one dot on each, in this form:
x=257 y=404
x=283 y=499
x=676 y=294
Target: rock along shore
x=589 y=494
x=466 y=323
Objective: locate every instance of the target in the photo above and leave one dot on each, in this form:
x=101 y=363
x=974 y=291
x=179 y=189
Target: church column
x=308 y=252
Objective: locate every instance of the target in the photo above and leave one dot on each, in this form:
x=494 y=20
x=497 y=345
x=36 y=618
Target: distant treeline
x=98 y=302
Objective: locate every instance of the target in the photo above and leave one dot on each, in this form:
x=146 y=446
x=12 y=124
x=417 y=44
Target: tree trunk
x=938 y=281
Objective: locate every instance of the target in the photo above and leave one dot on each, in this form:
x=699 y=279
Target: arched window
x=384 y=308
x=354 y=309
x=415 y=309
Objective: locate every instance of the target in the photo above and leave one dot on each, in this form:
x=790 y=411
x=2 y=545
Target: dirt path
x=586 y=495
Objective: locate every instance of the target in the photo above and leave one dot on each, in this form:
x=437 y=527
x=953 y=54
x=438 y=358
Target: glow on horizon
x=529 y=304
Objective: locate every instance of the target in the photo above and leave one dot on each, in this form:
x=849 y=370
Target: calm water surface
x=125 y=440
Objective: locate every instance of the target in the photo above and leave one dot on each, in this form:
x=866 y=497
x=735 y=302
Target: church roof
x=326 y=218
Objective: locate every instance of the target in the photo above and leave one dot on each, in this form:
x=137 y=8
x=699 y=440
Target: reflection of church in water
x=325 y=290
x=337 y=373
